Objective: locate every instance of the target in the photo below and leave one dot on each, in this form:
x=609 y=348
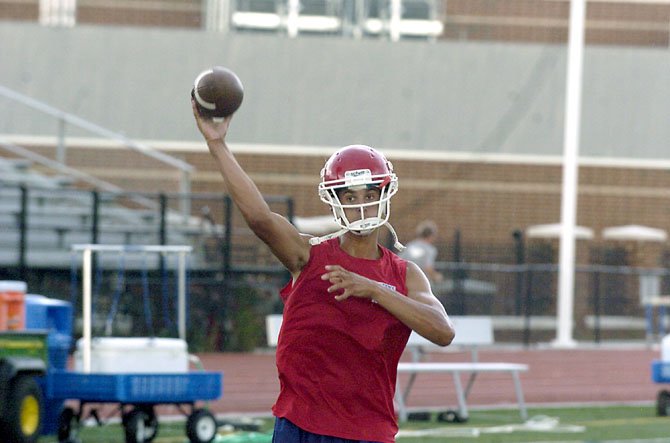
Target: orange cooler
x=12 y=305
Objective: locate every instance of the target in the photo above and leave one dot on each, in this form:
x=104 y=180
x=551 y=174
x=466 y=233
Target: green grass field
x=575 y=424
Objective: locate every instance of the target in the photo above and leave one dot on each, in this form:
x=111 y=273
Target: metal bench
x=471 y=332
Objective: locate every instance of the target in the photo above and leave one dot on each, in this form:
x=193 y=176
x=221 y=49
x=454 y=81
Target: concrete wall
x=320 y=91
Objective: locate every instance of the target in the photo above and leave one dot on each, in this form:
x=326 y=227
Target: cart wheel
x=22 y=420
x=201 y=426
x=68 y=425
x=140 y=427
x=150 y=423
x=451 y=416
x=663 y=404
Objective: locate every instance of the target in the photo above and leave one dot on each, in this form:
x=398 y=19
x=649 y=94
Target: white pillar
x=566 y=271
x=394 y=20
x=292 y=18
x=217 y=14
x=87 y=315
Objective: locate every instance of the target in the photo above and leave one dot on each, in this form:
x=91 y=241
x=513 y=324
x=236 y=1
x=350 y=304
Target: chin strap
x=318 y=240
x=396 y=243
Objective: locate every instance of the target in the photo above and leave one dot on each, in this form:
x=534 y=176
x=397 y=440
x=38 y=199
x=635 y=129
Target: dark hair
x=426 y=228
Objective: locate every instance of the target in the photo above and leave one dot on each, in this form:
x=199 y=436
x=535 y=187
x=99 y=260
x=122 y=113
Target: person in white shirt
x=422 y=250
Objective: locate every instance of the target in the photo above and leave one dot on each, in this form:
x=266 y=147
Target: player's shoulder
x=412 y=268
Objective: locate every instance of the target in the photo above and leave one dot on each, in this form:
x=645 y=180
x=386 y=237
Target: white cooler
x=134 y=355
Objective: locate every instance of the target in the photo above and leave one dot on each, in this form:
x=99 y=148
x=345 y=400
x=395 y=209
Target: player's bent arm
x=420 y=310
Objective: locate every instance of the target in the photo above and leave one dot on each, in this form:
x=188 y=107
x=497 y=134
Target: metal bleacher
x=47 y=205
x=56 y=215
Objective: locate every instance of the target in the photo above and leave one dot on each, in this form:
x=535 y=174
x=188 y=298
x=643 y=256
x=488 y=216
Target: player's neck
x=361 y=246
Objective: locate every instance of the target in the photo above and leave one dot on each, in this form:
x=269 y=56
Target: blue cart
x=137 y=393
x=660 y=373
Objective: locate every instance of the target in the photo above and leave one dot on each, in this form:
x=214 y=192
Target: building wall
x=450 y=97
x=608 y=22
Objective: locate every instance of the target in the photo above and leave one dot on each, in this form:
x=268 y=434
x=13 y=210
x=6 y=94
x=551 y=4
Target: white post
x=217 y=13
x=292 y=18
x=70 y=13
x=181 y=278
x=394 y=20
x=359 y=18
x=86 y=307
x=87 y=252
x=566 y=271
x=185 y=191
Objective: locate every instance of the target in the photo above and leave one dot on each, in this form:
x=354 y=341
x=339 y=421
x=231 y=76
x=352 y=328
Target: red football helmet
x=358 y=167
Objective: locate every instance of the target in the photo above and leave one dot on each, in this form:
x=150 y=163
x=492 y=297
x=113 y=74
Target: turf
x=574 y=424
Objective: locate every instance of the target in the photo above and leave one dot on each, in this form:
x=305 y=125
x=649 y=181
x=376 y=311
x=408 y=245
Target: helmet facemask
x=329 y=192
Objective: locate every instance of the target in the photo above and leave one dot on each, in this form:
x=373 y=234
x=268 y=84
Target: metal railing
x=611 y=299
x=71 y=172
x=64 y=119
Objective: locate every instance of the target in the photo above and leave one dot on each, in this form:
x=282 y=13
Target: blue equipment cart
x=660 y=373
x=137 y=395
x=136 y=391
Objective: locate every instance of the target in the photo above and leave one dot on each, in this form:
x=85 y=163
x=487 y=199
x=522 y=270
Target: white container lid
x=135 y=343
x=13 y=286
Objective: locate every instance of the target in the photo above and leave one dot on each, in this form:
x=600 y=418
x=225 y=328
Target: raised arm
x=286 y=243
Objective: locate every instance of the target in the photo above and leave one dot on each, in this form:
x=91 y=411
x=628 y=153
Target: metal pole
x=95 y=217
x=216 y=14
x=528 y=306
x=162 y=234
x=60 y=149
x=185 y=191
x=95 y=230
x=292 y=18
x=394 y=20
x=227 y=274
x=458 y=275
x=359 y=18
x=23 y=232
x=181 y=310
x=520 y=260
x=566 y=279
x=162 y=229
x=596 y=306
x=86 y=308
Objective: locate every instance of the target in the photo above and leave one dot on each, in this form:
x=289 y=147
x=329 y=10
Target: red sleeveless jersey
x=337 y=361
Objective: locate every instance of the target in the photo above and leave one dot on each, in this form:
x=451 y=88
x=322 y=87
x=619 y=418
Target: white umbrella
x=635 y=233
x=553 y=230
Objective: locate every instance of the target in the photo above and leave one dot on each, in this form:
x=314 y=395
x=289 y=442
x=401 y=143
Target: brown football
x=218 y=92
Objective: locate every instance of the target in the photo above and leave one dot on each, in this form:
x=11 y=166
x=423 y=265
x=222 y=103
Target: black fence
x=235 y=280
